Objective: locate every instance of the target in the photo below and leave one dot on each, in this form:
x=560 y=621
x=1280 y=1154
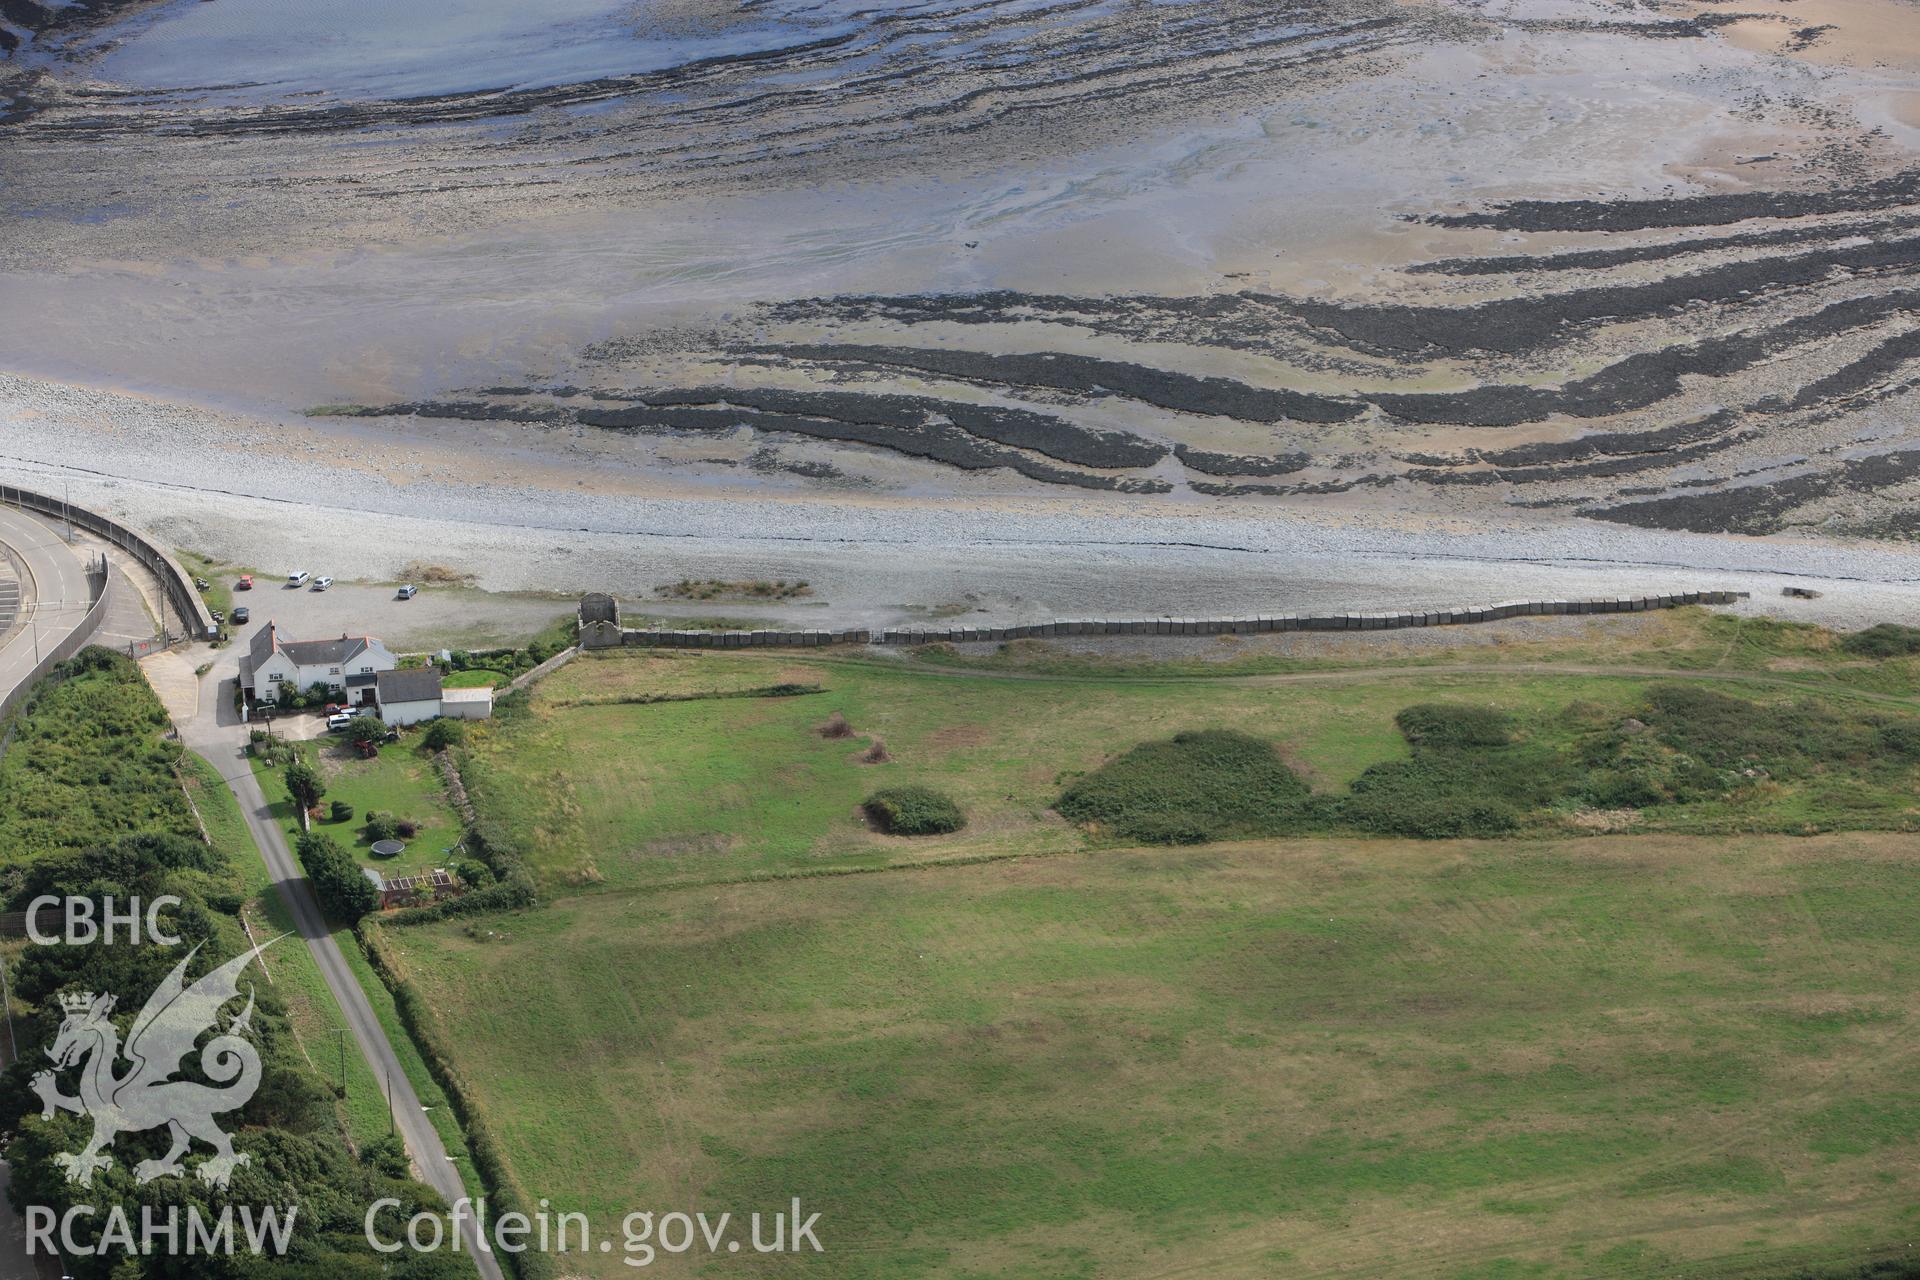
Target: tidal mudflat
x=928 y=300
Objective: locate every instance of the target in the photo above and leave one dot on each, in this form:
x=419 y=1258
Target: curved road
x=53 y=602
x=53 y=598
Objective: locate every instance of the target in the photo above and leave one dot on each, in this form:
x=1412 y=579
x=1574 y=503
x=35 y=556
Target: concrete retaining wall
x=600 y=635
x=188 y=611
x=76 y=640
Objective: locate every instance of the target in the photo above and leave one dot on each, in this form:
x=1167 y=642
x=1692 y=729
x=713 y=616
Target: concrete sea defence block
x=1241 y=624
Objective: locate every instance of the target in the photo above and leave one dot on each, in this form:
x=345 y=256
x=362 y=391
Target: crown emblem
x=76 y=1001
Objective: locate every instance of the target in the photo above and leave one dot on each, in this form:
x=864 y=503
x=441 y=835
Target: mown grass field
x=1616 y=1056
x=1672 y=640
x=1024 y=1049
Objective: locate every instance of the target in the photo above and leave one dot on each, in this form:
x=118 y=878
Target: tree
x=344 y=891
x=304 y=785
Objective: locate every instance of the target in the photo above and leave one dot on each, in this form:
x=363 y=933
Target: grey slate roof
x=305 y=653
x=420 y=685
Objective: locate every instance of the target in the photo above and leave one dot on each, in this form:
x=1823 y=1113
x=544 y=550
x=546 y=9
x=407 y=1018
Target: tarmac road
x=53 y=599
x=216 y=733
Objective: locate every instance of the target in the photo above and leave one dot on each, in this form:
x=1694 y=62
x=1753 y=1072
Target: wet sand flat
x=1560 y=272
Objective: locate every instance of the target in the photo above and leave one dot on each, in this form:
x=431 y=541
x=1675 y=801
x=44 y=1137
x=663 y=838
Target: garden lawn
x=401 y=780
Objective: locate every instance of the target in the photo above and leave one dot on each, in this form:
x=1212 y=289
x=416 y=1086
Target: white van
x=407 y=591
x=298 y=578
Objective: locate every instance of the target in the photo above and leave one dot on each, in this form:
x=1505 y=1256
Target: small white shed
x=466 y=704
x=408 y=697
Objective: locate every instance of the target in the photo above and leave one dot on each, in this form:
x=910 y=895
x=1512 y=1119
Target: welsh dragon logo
x=145 y=1096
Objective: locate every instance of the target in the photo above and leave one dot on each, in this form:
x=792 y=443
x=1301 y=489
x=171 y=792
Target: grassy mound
x=1205 y=785
x=915 y=811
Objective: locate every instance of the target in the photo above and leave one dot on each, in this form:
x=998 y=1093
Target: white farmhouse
x=347 y=665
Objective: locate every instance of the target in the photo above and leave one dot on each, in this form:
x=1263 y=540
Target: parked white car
x=338 y=721
x=322 y=583
x=407 y=591
x=298 y=578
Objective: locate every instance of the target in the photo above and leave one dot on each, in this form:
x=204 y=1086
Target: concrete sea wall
x=600 y=628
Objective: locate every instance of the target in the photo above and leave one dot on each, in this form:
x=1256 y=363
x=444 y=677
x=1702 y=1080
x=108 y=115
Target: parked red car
x=245 y=583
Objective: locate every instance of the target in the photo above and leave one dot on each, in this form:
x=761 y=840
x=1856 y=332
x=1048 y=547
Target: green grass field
x=1676 y=1039
x=601 y=789
x=1615 y=1056
x=1671 y=640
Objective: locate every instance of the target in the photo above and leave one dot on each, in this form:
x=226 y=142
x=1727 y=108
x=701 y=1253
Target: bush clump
x=914 y=811
x=1887 y=640
x=1445 y=724
x=1439 y=796
x=1467 y=777
x=444 y=733
x=1211 y=784
x=1731 y=733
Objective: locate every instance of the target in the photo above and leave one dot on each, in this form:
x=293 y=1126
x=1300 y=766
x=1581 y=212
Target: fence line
x=604 y=634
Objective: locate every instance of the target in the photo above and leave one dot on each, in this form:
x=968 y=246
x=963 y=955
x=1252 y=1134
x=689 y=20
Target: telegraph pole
x=13 y=1049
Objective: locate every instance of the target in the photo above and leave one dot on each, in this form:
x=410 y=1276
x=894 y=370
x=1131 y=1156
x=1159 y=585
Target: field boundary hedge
x=504 y=1194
